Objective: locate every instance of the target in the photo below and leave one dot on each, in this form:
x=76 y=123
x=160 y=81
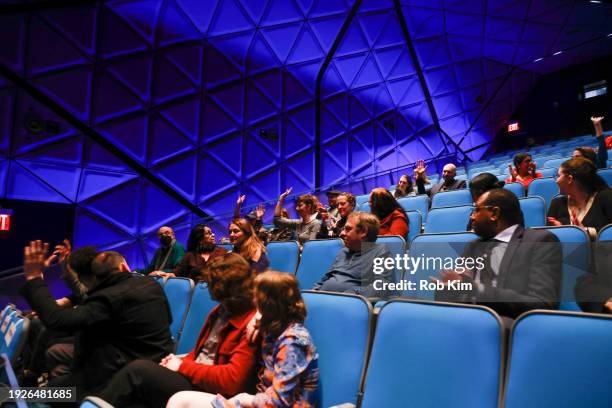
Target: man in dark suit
x=448 y=183
x=520 y=269
x=122 y=318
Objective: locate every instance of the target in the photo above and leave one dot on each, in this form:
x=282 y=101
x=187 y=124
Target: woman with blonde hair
x=290 y=372
x=243 y=237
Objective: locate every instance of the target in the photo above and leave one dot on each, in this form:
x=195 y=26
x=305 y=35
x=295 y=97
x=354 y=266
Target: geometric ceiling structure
x=161 y=111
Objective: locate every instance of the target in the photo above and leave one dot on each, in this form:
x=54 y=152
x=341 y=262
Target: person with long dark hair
x=290 y=372
x=524 y=170
x=586 y=200
x=392 y=217
x=246 y=243
x=404 y=187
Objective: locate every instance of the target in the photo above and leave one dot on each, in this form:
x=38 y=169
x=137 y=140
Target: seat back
x=418 y=203
x=534 y=211
x=8 y=377
x=416 y=349
x=14 y=335
x=178 y=292
x=424 y=246
x=229 y=247
x=341 y=327
x=546 y=188
x=517 y=188
x=396 y=246
x=559 y=359
x=606 y=174
x=317 y=256
x=199 y=308
x=549 y=172
x=283 y=256
x=451 y=198
x=448 y=219
x=576 y=255
x=605 y=234
x=360 y=199
x=365 y=207
x=415 y=223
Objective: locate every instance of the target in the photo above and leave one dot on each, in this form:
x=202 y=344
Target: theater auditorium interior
x=432 y=178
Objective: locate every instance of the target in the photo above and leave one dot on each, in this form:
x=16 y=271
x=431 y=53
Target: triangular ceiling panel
x=135 y=73
x=304 y=118
x=185 y=116
x=280 y=12
x=266 y=185
x=78 y=23
x=111 y=99
x=141 y=14
x=254 y=8
x=295 y=139
x=91 y=230
x=216 y=122
x=158 y=207
x=281 y=39
x=258 y=107
x=387 y=58
x=230 y=98
x=368 y=75
x=217 y=68
x=391 y=34
x=301 y=174
x=269 y=84
x=117 y=37
x=42 y=37
x=200 y=16
x=338 y=106
x=229 y=152
x=67 y=151
x=353 y=41
x=165 y=141
x=306 y=73
x=23 y=185
x=372 y=25
x=306 y=48
x=462 y=49
x=327 y=7
x=75 y=97
x=98 y=157
x=423 y=22
x=95 y=182
x=258 y=157
x=64 y=179
x=330 y=126
x=402 y=67
x=178 y=173
x=188 y=59
x=358 y=114
x=174 y=26
x=105 y=206
x=130 y=135
x=326 y=30
x=229 y=18
x=235 y=46
x=332 y=82
x=261 y=56
x=169 y=82
x=210 y=187
x=12 y=38
x=349 y=67
x=464 y=24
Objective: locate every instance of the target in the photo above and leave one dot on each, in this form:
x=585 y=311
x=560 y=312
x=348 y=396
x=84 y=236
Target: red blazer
x=524 y=182
x=395 y=223
x=234 y=370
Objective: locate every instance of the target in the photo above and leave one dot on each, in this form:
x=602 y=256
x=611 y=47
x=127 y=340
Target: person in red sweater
x=524 y=170
x=384 y=206
x=223 y=361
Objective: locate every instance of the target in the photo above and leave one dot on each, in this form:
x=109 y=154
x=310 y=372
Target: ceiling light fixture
x=538 y=59
x=558 y=52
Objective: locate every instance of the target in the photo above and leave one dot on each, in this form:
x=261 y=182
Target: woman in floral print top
x=290 y=373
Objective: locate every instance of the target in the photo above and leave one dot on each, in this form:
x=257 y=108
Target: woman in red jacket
x=223 y=361
x=384 y=206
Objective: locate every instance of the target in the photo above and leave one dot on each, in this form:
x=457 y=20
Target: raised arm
x=279 y=204
x=238 y=205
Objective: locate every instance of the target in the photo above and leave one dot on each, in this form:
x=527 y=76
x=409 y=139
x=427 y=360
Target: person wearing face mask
x=201 y=249
x=168 y=255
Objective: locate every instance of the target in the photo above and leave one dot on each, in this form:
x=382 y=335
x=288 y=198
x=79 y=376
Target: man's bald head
x=449 y=172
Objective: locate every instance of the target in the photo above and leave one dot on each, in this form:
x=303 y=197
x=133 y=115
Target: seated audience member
x=123 y=318
x=521 y=268
x=390 y=214
x=480 y=185
x=280 y=233
x=346 y=203
x=247 y=243
x=222 y=362
x=587 y=200
x=351 y=272
x=404 y=187
x=594 y=289
x=201 y=249
x=307 y=226
x=290 y=372
x=448 y=183
x=332 y=205
x=255 y=217
x=524 y=170
x=168 y=255
x=599 y=157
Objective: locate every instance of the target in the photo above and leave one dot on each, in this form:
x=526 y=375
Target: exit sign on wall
x=513 y=127
x=5 y=219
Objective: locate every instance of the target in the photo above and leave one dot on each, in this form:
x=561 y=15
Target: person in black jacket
x=123 y=318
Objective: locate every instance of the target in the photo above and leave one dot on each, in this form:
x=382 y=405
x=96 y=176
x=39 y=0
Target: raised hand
x=285 y=194
x=597 y=124
x=513 y=172
x=260 y=211
x=240 y=199
x=34 y=259
x=420 y=169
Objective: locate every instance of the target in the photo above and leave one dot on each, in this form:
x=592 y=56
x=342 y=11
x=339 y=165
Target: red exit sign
x=5 y=219
x=513 y=127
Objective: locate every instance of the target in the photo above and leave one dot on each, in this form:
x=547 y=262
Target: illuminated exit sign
x=5 y=219
x=513 y=127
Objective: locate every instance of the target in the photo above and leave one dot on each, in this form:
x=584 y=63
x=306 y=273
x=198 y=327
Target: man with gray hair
x=123 y=318
x=352 y=271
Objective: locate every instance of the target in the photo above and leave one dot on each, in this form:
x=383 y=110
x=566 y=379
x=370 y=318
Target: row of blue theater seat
x=13 y=332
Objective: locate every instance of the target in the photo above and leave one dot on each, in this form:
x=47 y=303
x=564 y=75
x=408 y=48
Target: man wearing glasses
x=522 y=267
